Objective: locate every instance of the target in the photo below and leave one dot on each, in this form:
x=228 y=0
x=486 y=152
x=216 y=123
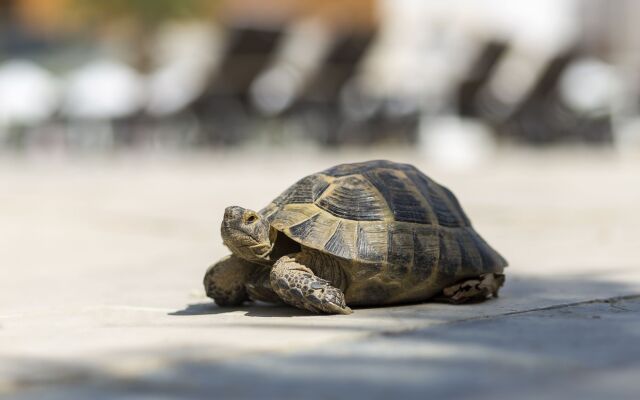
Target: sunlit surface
x=127 y=126
x=104 y=259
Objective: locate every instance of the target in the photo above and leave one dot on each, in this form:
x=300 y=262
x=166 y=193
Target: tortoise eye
x=251 y=219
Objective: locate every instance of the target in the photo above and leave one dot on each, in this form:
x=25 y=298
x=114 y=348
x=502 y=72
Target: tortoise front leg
x=298 y=286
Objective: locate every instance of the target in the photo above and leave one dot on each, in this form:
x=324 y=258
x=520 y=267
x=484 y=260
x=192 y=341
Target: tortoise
x=365 y=234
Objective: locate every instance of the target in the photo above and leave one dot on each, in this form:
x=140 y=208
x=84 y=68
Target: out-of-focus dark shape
x=223 y=108
x=319 y=103
x=164 y=73
x=479 y=73
x=544 y=116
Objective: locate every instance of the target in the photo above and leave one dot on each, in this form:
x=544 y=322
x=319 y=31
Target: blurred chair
x=319 y=103
x=101 y=101
x=472 y=98
x=28 y=97
x=184 y=56
x=224 y=108
x=591 y=89
x=546 y=117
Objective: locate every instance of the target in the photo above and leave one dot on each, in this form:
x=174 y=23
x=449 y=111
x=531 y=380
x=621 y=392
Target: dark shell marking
x=387 y=219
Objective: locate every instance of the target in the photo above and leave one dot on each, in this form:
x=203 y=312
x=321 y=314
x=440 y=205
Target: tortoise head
x=247 y=234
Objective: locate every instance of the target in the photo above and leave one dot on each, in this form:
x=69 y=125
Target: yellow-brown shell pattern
x=384 y=217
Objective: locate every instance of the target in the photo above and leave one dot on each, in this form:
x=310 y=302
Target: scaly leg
x=259 y=286
x=232 y=281
x=298 y=286
x=225 y=280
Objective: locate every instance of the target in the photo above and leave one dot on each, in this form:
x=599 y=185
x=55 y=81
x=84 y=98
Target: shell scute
x=315 y=229
x=343 y=241
x=372 y=241
x=305 y=191
x=399 y=195
x=400 y=249
x=426 y=250
x=353 y=197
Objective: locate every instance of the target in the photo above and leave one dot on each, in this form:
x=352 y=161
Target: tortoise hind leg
x=225 y=281
x=232 y=281
x=473 y=290
x=298 y=286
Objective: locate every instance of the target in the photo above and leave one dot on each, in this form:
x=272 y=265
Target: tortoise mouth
x=244 y=244
x=238 y=238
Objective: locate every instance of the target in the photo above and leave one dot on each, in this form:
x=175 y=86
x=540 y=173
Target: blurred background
x=127 y=126
x=454 y=79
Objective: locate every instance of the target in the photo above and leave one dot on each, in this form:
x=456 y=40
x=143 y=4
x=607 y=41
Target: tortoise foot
x=473 y=290
x=298 y=286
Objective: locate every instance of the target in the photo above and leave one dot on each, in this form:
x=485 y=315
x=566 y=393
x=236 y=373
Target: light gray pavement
x=100 y=295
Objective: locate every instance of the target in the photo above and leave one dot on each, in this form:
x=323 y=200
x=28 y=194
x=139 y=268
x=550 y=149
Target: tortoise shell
x=386 y=214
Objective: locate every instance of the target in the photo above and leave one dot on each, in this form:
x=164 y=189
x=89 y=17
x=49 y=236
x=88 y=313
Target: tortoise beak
x=232 y=218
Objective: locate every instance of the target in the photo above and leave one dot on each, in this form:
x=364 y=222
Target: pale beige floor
x=101 y=260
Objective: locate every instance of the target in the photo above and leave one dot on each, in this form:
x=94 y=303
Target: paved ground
x=100 y=295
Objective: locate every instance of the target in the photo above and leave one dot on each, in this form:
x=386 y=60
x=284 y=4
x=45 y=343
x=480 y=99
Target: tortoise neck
x=282 y=246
